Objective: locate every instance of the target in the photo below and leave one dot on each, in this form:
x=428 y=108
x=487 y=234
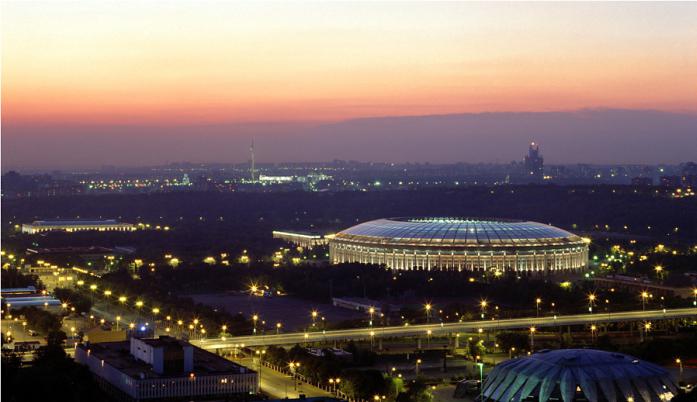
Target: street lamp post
x=260 y=355
x=418 y=363
x=646 y=328
x=278 y=328
x=428 y=307
x=678 y=361
x=532 y=338
x=313 y=314
x=371 y=311
x=293 y=369
x=644 y=296
x=483 y=305
x=537 y=305
x=139 y=304
x=155 y=312
x=591 y=302
x=334 y=382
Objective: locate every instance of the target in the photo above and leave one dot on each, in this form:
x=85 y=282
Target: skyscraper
x=534 y=163
x=252 y=167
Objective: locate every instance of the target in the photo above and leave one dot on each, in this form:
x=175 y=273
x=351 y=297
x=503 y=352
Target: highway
x=441 y=329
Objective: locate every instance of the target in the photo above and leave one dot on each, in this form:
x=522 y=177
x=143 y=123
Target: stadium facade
x=461 y=244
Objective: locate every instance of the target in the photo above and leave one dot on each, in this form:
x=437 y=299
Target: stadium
x=578 y=375
x=460 y=244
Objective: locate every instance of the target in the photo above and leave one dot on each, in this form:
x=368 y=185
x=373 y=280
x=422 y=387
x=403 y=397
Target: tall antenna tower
x=251 y=168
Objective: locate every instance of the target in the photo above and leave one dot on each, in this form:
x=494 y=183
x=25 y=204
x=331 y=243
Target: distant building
x=642 y=181
x=10 y=292
x=302 y=239
x=671 y=181
x=534 y=163
x=77 y=225
x=165 y=369
x=33 y=300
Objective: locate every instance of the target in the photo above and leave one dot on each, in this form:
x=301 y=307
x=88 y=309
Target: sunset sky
x=107 y=64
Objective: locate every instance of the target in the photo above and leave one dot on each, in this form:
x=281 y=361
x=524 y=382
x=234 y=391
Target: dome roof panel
x=564 y=372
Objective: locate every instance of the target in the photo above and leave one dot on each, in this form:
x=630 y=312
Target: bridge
x=443 y=329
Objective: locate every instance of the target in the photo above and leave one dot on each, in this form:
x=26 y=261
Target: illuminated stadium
x=460 y=244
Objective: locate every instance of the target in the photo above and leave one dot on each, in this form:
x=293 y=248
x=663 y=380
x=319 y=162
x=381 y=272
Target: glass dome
x=576 y=375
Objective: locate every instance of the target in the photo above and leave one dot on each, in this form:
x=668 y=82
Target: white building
x=165 y=368
x=77 y=225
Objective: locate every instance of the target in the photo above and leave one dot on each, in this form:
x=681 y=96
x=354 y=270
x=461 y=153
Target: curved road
x=443 y=328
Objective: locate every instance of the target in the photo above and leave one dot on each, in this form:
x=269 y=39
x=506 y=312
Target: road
x=278 y=385
x=440 y=329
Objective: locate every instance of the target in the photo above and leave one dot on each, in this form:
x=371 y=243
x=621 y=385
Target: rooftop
x=77 y=222
x=462 y=231
x=118 y=355
x=578 y=374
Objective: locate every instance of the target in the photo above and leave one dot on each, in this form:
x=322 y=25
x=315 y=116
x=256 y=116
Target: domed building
x=578 y=375
x=460 y=244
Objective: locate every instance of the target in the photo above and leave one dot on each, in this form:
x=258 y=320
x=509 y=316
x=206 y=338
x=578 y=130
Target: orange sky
x=191 y=63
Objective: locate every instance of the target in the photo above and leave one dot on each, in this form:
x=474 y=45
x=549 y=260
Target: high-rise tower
x=534 y=162
x=252 y=171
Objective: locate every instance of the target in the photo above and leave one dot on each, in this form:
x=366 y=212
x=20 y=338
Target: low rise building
x=76 y=225
x=165 y=368
x=302 y=239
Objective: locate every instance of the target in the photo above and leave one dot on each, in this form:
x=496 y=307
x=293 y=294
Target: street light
x=313 y=314
x=122 y=299
x=591 y=302
x=644 y=296
x=483 y=305
x=118 y=319
x=293 y=369
x=537 y=305
x=260 y=354
x=278 y=328
x=371 y=310
x=646 y=329
x=678 y=361
x=418 y=363
x=255 y=318
x=428 y=307
x=532 y=338
x=593 y=329
x=334 y=382
x=659 y=270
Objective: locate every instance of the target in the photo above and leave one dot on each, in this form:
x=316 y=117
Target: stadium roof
x=459 y=231
x=578 y=374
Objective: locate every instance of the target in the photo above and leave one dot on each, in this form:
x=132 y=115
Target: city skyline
x=79 y=78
